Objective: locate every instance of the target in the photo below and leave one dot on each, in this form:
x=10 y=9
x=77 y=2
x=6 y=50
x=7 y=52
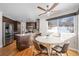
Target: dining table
x=51 y=40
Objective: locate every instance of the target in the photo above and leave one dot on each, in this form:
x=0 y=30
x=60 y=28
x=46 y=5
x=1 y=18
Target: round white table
x=50 y=40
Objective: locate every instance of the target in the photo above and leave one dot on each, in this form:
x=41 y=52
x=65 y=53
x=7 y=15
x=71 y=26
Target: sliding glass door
x=62 y=25
x=66 y=25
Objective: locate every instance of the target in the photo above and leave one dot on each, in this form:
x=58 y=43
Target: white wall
x=23 y=27
x=43 y=26
x=0 y=29
x=78 y=31
x=74 y=40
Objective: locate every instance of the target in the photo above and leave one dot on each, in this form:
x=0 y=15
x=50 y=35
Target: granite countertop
x=22 y=34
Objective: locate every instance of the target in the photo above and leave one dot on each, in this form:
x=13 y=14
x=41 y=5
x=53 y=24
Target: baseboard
x=76 y=50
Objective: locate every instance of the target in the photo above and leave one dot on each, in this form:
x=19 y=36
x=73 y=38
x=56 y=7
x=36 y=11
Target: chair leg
x=60 y=54
x=66 y=53
x=33 y=54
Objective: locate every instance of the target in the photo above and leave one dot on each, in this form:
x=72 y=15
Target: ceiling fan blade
x=41 y=8
x=42 y=13
x=53 y=6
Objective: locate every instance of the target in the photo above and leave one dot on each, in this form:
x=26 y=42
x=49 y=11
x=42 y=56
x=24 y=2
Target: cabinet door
x=31 y=24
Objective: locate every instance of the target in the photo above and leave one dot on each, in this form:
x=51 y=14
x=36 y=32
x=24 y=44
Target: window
x=62 y=25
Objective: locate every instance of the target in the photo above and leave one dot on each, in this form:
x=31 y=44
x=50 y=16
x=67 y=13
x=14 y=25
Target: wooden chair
x=60 y=49
x=38 y=48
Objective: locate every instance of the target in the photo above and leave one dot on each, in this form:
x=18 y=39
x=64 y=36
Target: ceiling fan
x=48 y=9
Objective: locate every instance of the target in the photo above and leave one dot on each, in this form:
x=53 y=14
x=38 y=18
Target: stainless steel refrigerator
x=8 y=34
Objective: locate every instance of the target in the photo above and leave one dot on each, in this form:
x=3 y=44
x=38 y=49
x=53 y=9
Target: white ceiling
x=29 y=11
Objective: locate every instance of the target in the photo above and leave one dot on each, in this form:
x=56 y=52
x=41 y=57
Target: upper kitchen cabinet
x=31 y=25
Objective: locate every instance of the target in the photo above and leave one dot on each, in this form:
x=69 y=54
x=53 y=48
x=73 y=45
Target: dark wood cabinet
x=30 y=26
x=16 y=23
x=10 y=21
x=9 y=27
x=22 y=41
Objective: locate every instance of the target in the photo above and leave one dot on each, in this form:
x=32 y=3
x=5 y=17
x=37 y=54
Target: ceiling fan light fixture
x=48 y=13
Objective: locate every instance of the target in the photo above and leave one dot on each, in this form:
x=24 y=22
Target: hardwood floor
x=11 y=50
